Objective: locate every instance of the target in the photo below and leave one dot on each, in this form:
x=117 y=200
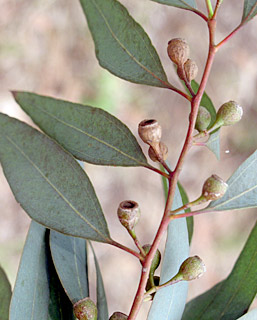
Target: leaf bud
x=203 y=119
x=214 y=188
x=150 y=131
x=156 y=259
x=192 y=268
x=178 y=51
x=229 y=113
x=129 y=214
x=85 y=309
x=118 y=316
x=191 y=70
x=163 y=152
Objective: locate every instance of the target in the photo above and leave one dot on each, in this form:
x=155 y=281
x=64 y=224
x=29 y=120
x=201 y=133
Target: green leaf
x=189 y=220
x=250 y=10
x=31 y=292
x=232 y=297
x=5 y=295
x=60 y=307
x=213 y=143
x=205 y=102
x=121 y=44
x=90 y=134
x=169 y=302
x=49 y=183
x=102 y=308
x=70 y=259
x=251 y=315
x=184 y=4
x=242 y=188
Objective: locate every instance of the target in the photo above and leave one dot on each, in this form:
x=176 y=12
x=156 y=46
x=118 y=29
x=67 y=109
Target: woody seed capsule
x=191 y=70
x=150 y=131
x=214 y=188
x=129 y=214
x=163 y=152
x=85 y=309
x=178 y=51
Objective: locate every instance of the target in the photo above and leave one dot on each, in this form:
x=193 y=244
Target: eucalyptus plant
x=47 y=180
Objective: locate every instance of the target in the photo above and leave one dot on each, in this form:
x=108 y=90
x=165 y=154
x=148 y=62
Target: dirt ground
x=45 y=47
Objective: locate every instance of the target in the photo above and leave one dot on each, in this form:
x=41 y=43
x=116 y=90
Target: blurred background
x=46 y=47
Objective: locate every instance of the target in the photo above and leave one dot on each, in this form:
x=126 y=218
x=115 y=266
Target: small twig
x=136 y=241
x=218 y=3
x=209 y=8
x=189 y=214
x=122 y=247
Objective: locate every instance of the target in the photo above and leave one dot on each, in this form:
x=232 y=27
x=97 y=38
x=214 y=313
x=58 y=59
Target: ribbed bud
x=178 y=51
x=150 y=131
x=192 y=268
x=229 y=113
x=191 y=70
x=85 y=309
x=156 y=260
x=129 y=214
x=214 y=188
x=118 y=316
x=163 y=152
x=203 y=119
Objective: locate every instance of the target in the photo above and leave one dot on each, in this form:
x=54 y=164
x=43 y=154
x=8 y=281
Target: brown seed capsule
x=214 y=188
x=229 y=113
x=163 y=152
x=178 y=51
x=150 y=131
x=85 y=309
x=156 y=260
x=118 y=316
x=203 y=119
x=191 y=70
x=129 y=214
x=192 y=268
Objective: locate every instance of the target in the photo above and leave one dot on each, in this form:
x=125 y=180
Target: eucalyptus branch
x=218 y=3
x=209 y=8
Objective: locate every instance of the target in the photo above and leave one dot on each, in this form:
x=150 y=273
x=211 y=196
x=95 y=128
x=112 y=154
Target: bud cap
x=118 y=316
x=229 y=113
x=203 y=119
x=214 y=188
x=178 y=51
x=129 y=214
x=85 y=309
x=150 y=131
x=192 y=268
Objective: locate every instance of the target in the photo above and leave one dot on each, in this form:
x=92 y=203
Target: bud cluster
x=150 y=132
x=178 y=51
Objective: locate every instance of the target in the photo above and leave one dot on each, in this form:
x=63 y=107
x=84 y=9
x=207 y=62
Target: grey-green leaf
x=70 y=259
x=102 y=308
x=90 y=134
x=49 y=183
x=250 y=10
x=184 y=4
x=242 y=188
x=251 y=315
x=213 y=143
x=206 y=103
x=169 y=302
x=232 y=297
x=5 y=295
x=31 y=292
x=189 y=220
x=121 y=44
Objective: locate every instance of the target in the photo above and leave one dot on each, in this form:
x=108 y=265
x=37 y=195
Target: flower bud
x=191 y=70
x=192 y=268
x=163 y=152
x=156 y=283
x=156 y=259
x=229 y=113
x=85 y=309
x=214 y=188
x=129 y=214
x=150 y=131
x=203 y=119
x=178 y=51
x=118 y=316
